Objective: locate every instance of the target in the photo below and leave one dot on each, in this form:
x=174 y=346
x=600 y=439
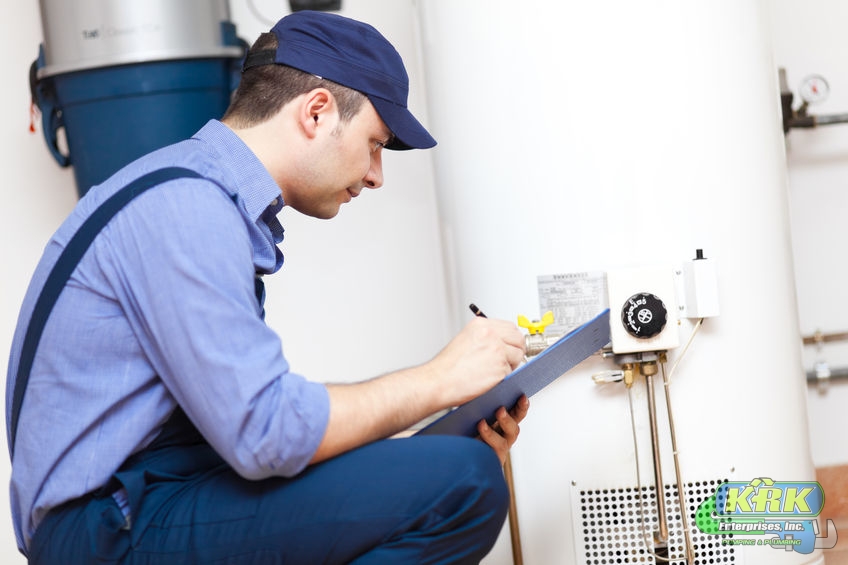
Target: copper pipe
x=819 y=337
x=514 y=534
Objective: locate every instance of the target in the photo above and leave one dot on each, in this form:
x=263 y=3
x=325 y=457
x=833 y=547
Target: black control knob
x=644 y=315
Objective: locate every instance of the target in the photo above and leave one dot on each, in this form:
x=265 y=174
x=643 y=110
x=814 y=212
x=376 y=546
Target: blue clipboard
x=529 y=378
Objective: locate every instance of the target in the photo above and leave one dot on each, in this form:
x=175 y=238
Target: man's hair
x=265 y=89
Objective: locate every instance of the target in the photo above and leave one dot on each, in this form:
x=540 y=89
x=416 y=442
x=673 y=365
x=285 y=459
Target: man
x=161 y=422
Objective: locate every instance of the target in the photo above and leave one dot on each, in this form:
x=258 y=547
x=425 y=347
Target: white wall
x=37 y=196
x=809 y=38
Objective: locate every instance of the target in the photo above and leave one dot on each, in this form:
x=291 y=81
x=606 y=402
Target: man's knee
x=479 y=479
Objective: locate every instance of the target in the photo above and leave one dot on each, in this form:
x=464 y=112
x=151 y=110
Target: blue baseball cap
x=352 y=54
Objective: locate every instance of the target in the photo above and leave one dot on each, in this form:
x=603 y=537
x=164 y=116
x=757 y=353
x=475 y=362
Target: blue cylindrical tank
x=121 y=79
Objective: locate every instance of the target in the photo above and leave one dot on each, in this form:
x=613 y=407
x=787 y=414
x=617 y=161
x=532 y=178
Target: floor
x=834 y=482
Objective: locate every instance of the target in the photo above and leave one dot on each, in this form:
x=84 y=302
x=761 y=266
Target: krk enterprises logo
x=763 y=512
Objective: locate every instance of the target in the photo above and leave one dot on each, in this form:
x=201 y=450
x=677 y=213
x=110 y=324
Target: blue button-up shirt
x=161 y=311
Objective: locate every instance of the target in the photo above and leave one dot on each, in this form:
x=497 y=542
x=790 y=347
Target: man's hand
x=477 y=359
x=503 y=433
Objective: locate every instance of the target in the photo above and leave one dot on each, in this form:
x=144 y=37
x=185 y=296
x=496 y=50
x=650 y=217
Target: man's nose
x=374 y=177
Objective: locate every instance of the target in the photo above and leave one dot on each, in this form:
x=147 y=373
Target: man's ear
x=317 y=111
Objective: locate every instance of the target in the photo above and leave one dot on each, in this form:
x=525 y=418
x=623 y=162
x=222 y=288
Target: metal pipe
x=681 y=498
x=831 y=119
x=514 y=533
x=819 y=337
x=812 y=121
x=834 y=374
x=649 y=370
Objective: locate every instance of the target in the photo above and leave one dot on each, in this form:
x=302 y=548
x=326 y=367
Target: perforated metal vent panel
x=609 y=526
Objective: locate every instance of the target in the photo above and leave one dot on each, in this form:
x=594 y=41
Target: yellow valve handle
x=536 y=326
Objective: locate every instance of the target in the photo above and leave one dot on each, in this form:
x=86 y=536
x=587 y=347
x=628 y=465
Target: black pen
x=477 y=312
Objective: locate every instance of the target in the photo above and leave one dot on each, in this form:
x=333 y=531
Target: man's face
x=345 y=159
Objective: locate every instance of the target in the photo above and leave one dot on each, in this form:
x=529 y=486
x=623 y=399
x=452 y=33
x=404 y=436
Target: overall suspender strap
x=65 y=265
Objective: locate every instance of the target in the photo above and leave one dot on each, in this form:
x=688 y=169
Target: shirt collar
x=254 y=186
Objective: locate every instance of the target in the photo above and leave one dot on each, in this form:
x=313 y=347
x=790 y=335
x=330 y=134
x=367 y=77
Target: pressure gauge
x=814 y=89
